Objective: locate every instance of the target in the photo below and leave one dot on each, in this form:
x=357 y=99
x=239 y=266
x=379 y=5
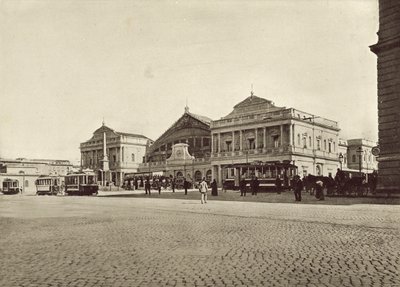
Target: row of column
x=291 y=138
x=94 y=154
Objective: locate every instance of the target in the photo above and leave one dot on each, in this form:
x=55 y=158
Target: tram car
x=81 y=183
x=48 y=185
x=11 y=186
x=266 y=173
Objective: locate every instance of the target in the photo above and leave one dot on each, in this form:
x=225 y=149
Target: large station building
x=183 y=150
x=278 y=140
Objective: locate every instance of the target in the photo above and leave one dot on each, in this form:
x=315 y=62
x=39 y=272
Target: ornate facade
x=257 y=130
x=183 y=150
x=112 y=154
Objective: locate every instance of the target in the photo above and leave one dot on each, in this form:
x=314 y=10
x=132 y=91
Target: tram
x=48 y=185
x=266 y=173
x=81 y=183
x=11 y=186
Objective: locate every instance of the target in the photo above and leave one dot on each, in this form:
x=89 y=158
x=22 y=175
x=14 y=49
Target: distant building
x=355 y=149
x=111 y=154
x=26 y=171
x=183 y=150
x=257 y=130
x=388 y=51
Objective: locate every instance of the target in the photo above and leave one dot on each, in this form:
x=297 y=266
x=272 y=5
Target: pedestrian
x=158 y=184
x=242 y=187
x=185 y=185
x=278 y=184
x=298 y=187
x=214 y=188
x=147 y=186
x=173 y=184
x=319 y=192
x=203 y=190
x=254 y=184
x=223 y=186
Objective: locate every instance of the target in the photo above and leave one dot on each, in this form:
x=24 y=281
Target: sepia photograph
x=199 y=143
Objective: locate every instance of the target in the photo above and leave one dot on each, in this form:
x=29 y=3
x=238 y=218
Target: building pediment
x=186 y=121
x=252 y=104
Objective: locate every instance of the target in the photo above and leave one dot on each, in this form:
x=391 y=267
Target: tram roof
x=263 y=164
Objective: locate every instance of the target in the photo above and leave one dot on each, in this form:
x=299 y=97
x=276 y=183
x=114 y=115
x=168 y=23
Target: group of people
x=254 y=186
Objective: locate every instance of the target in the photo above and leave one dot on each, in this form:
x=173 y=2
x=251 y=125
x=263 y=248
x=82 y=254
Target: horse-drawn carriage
x=345 y=183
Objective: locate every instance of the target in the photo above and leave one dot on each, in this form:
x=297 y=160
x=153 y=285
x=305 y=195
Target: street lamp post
x=341 y=161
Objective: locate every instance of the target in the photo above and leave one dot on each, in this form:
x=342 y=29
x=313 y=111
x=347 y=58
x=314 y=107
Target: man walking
x=203 y=190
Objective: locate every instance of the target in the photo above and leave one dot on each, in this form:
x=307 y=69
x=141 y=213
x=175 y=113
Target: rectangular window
x=330 y=147
x=318 y=144
x=276 y=141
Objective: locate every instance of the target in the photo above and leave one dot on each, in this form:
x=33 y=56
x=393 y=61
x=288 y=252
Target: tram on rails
x=81 y=183
x=48 y=185
x=11 y=186
x=266 y=173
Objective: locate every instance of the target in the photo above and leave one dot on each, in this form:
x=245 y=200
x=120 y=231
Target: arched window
x=197 y=175
x=133 y=157
x=208 y=175
x=298 y=140
x=318 y=170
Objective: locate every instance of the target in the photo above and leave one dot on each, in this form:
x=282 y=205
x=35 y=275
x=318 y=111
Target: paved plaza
x=138 y=241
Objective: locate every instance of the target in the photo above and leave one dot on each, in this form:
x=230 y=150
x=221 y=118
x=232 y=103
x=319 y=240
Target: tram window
x=90 y=180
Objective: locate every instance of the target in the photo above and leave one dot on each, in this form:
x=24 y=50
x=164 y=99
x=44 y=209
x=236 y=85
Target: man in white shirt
x=203 y=190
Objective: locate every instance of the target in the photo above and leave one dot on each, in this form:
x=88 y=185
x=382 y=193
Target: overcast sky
x=64 y=65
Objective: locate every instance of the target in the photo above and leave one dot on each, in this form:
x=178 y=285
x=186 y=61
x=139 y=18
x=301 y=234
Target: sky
x=66 y=65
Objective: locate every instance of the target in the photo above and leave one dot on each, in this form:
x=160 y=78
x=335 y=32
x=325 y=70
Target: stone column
x=241 y=140
x=219 y=142
x=219 y=175
x=281 y=135
x=265 y=138
x=212 y=143
x=256 y=138
x=233 y=141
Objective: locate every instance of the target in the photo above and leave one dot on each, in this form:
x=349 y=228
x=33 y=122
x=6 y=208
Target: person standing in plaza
x=278 y=184
x=319 y=190
x=173 y=184
x=158 y=184
x=203 y=190
x=185 y=185
x=147 y=186
x=214 y=188
x=254 y=185
x=298 y=187
x=242 y=187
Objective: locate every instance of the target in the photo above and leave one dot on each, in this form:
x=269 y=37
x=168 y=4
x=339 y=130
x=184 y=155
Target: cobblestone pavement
x=100 y=241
